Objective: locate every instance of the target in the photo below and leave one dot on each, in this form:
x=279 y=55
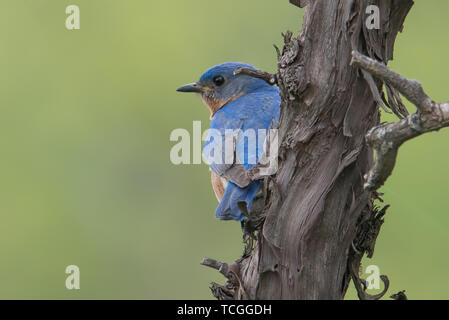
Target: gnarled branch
x=222 y=267
x=267 y=77
x=386 y=139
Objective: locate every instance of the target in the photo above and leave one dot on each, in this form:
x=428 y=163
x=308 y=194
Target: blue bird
x=242 y=108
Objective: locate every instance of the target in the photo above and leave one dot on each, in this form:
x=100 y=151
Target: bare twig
x=386 y=139
x=267 y=77
x=299 y=3
x=399 y=296
x=222 y=267
x=233 y=288
x=365 y=240
x=361 y=287
x=411 y=89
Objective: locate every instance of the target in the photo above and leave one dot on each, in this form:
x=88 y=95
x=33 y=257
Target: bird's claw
x=248 y=239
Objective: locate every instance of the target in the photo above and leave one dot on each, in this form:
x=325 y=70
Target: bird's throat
x=215 y=104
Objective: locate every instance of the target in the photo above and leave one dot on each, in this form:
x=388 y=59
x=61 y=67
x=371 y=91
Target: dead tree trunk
x=319 y=218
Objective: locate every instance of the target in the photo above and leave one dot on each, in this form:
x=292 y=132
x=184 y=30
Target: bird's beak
x=192 y=87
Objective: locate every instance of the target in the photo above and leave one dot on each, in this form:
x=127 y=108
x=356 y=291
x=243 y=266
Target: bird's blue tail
x=228 y=208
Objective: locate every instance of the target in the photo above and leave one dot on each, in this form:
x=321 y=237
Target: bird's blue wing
x=247 y=119
x=245 y=122
x=228 y=208
x=263 y=109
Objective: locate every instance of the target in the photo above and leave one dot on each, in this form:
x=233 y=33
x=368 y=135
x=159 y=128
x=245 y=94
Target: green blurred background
x=85 y=172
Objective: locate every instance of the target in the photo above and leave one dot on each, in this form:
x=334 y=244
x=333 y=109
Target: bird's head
x=219 y=85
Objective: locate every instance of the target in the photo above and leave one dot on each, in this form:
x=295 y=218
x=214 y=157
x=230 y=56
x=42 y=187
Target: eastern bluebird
x=238 y=103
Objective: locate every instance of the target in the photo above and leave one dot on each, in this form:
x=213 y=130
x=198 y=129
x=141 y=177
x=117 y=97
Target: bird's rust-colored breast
x=214 y=104
x=218 y=184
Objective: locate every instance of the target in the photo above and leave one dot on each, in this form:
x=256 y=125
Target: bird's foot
x=250 y=226
x=248 y=240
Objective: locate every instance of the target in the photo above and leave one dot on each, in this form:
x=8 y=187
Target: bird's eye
x=218 y=80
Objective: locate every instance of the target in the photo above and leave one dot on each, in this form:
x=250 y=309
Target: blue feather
x=246 y=105
x=258 y=108
x=228 y=207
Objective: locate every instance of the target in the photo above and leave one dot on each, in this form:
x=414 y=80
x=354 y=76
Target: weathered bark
x=319 y=218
